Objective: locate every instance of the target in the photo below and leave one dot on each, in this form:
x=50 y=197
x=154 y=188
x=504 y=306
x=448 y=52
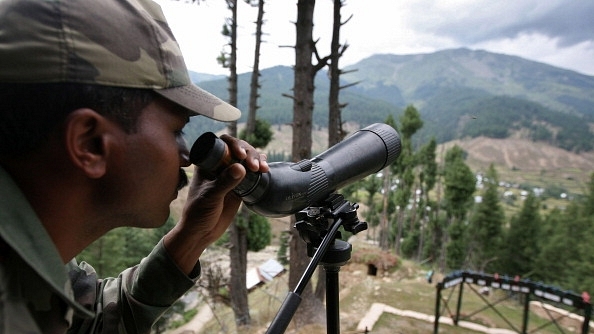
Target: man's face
x=146 y=174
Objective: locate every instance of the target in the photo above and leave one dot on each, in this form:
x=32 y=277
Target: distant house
x=266 y=272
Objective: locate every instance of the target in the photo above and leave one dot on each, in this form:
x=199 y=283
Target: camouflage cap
x=122 y=43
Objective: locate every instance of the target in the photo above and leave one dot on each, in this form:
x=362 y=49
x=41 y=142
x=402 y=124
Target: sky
x=555 y=32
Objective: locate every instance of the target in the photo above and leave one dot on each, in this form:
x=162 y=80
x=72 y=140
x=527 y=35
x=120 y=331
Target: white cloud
x=528 y=29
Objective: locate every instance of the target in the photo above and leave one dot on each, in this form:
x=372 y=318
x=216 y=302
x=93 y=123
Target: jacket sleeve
x=132 y=302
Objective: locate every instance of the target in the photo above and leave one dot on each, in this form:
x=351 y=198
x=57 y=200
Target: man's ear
x=86 y=134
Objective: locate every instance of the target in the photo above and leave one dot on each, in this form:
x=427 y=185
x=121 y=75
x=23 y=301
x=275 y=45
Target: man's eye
x=179 y=133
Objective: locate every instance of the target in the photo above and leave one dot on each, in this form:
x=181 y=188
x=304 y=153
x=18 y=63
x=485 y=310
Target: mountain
x=201 y=77
x=463 y=92
x=276 y=108
x=418 y=77
x=459 y=93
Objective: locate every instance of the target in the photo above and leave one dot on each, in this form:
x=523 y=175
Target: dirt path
x=376 y=310
x=195 y=325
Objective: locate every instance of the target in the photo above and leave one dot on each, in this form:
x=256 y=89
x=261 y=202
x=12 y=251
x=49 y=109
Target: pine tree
x=566 y=249
x=427 y=180
x=551 y=265
x=581 y=266
x=522 y=241
x=410 y=123
x=259 y=234
x=460 y=184
x=486 y=226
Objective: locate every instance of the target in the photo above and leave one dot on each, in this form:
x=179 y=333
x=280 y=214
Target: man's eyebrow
x=182 y=112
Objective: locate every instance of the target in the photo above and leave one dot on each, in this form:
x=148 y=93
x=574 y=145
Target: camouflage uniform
x=123 y=43
x=38 y=294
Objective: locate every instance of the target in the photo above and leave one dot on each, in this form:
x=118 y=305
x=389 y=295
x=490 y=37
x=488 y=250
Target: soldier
x=93 y=99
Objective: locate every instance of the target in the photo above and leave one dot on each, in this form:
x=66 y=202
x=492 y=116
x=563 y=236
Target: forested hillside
x=459 y=93
x=472 y=93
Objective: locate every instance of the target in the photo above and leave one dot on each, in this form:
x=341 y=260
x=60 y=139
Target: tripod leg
x=293 y=299
x=332 y=303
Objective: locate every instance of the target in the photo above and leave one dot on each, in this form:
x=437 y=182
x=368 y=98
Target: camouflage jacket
x=38 y=294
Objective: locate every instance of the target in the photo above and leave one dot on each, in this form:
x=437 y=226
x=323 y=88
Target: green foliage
x=122 y=248
x=259 y=234
x=262 y=134
x=403 y=168
x=165 y=321
x=486 y=227
x=372 y=185
x=555 y=252
x=258 y=231
x=410 y=122
x=282 y=253
x=226 y=30
x=554 y=191
x=427 y=159
x=588 y=203
x=460 y=183
x=582 y=266
x=190 y=314
x=410 y=244
x=223 y=240
x=500 y=116
x=456 y=248
x=522 y=244
x=371 y=215
x=454 y=154
x=434 y=239
x=566 y=248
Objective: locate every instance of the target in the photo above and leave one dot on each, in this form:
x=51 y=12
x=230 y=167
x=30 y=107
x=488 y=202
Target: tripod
x=318 y=227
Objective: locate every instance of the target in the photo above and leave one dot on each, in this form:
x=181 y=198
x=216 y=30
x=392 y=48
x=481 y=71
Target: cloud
x=557 y=32
x=472 y=22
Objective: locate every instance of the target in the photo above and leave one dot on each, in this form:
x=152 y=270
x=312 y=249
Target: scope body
x=292 y=186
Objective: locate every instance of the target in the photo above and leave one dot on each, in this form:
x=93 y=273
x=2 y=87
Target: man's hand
x=211 y=205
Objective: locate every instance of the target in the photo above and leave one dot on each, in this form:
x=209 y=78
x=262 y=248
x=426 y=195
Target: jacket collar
x=21 y=230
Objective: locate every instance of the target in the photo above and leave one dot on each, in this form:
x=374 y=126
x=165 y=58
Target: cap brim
x=200 y=102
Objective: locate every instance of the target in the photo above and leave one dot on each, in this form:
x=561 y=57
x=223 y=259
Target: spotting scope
x=289 y=187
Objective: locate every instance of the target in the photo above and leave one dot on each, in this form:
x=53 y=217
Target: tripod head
x=314 y=222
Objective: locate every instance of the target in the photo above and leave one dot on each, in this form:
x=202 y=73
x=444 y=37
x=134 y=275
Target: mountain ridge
x=497 y=73
x=459 y=93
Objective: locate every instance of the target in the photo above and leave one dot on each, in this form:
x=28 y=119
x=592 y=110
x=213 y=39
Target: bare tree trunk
x=441 y=262
x=238 y=255
x=444 y=244
x=303 y=86
x=237 y=232
x=400 y=222
x=311 y=310
x=384 y=231
x=232 y=5
x=422 y=226
x=254 y=83
x=335 y=133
